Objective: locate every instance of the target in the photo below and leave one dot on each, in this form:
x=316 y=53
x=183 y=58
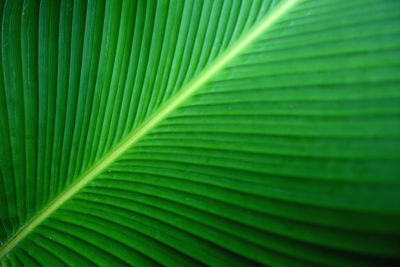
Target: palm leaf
x=183 y=133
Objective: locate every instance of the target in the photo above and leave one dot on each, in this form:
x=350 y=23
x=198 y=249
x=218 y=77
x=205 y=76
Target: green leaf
x=184 y=133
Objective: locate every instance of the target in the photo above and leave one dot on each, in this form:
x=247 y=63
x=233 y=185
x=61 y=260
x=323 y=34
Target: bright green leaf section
x=184 y=133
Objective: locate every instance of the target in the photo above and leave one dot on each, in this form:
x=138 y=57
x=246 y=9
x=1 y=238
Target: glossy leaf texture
x=185 y=133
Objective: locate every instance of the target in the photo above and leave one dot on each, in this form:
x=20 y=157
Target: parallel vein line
x=134 y=137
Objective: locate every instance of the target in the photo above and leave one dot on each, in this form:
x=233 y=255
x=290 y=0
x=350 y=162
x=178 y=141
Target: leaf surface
x=184 y=133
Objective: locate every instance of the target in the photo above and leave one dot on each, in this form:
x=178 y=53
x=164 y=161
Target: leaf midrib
x=149 y=124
